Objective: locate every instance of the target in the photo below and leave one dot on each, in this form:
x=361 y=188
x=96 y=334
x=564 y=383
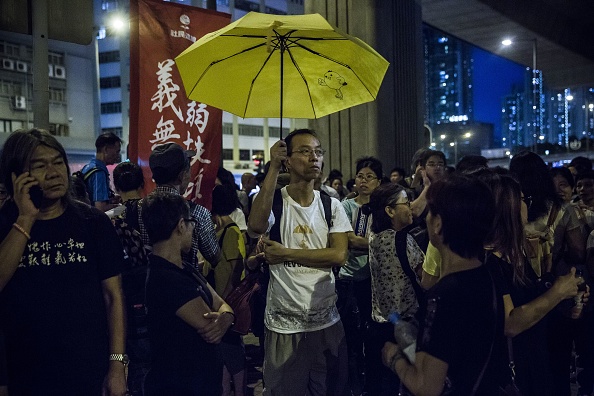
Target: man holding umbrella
x=305 y=348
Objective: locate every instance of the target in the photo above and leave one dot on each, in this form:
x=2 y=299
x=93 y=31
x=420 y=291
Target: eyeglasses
x=527 y=201
x=435 y=164
x=308 y=152
x=192 y=221
x=407 y=203
x=369 y=177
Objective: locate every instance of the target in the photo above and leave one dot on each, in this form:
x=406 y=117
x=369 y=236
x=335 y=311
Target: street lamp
x=454 y=144
x=535 y=89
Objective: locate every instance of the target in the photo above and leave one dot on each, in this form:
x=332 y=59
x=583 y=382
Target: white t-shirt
x=239 y=218
x=301 y=298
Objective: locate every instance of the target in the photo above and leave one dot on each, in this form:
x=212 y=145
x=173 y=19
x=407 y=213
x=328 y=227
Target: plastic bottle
x=405 y=334
x=576 y=311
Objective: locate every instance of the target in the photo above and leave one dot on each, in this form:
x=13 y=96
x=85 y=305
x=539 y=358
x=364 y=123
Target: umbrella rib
x=295 y=43
x=254 y=81
x=304 y=80
x=221 y=60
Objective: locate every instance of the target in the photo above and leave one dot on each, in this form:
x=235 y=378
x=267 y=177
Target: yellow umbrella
x=296 y=66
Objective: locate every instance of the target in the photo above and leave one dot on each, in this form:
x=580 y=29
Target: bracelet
x=230 y=313
x=21 y=230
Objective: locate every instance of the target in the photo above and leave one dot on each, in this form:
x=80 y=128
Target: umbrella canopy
x=296 y=66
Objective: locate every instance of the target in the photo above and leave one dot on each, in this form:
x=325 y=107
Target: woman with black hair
x=128 y=181
x=459 y=321
x=525 y=304
x=545 y=232
x=393 y=278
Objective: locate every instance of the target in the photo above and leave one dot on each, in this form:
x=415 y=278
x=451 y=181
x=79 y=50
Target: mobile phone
x=36 y=195
x=35 y=192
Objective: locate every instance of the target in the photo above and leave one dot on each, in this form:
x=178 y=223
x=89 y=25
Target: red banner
x=160 y=112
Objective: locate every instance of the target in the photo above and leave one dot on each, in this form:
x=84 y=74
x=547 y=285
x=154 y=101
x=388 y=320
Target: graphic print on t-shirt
x=303 y=229
x=57 y=253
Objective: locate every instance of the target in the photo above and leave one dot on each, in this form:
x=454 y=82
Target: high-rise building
x=448 y=78
x=513 y=115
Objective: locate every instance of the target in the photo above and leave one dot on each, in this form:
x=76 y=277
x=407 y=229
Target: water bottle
x=576 y=311
x=405 y=334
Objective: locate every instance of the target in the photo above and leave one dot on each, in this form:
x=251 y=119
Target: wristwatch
x=120 y=357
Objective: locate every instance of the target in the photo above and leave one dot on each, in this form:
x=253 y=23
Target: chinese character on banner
x=160 y=112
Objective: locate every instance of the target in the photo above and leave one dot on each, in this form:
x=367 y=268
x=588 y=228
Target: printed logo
x=182 y=33
x=333 y=81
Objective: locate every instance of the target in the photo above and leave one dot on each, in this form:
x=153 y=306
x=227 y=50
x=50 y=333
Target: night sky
x=493 y=77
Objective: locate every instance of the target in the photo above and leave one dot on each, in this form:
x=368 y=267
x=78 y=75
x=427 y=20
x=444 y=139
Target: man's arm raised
x=258 y=220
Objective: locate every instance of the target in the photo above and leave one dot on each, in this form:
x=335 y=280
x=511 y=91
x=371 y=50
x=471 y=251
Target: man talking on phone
x=61 y=307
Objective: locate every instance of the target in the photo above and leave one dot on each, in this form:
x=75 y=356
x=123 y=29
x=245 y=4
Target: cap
x=168 y=160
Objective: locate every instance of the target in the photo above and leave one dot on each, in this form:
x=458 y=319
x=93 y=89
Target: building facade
x=73 y=93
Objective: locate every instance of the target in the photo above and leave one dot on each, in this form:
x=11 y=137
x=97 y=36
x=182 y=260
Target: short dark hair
x=226 y=177
x=224 y=200
x=384 y=195
x=161 y=212
x=334 y=174
x=584 y=175
x=469 y=163
x=106 y=139
x=127 y=176
x=536 y=181
x=467 y=209
x=17 y=152
x=297 y=132
x=581 y=164
x=416 y=159
x=372 y=163
x=430 y=153
x=400 y=171
x=564 y=173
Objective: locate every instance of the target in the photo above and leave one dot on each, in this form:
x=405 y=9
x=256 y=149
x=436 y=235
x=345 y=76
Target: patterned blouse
x=391 y=290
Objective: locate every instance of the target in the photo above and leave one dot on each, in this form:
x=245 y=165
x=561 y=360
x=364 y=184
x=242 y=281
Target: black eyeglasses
x=308 y=152
x=368 y=177
x=528 y=201
x=407 y=203
x=192 y=221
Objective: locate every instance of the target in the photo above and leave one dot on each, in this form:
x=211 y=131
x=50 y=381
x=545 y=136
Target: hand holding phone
x=36 y=195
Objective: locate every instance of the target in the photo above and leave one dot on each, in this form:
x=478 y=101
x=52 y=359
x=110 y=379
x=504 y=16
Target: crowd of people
x=120 y=292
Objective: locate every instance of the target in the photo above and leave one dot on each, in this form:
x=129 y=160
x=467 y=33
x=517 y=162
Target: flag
x=160 y=112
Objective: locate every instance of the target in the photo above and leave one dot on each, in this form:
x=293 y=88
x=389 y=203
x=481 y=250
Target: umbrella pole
x=282 y=82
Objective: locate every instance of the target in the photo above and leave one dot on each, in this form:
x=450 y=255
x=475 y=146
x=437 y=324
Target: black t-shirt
x=182 y=362
x=458 y=327
x=52 y=310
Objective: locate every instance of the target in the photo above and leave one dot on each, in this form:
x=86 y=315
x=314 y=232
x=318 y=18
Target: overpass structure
x=564 y=32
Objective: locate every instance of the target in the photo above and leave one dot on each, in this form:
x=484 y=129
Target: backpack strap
x=277 y=210
x=401 y=240
x=224 y=232
x=327 y=204
x=89 y=173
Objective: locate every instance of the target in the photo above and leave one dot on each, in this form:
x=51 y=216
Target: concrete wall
x=390 y=128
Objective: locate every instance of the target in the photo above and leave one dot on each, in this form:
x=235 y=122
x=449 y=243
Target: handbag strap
x=512 y=364
x=480 y=377
x=400 y=241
